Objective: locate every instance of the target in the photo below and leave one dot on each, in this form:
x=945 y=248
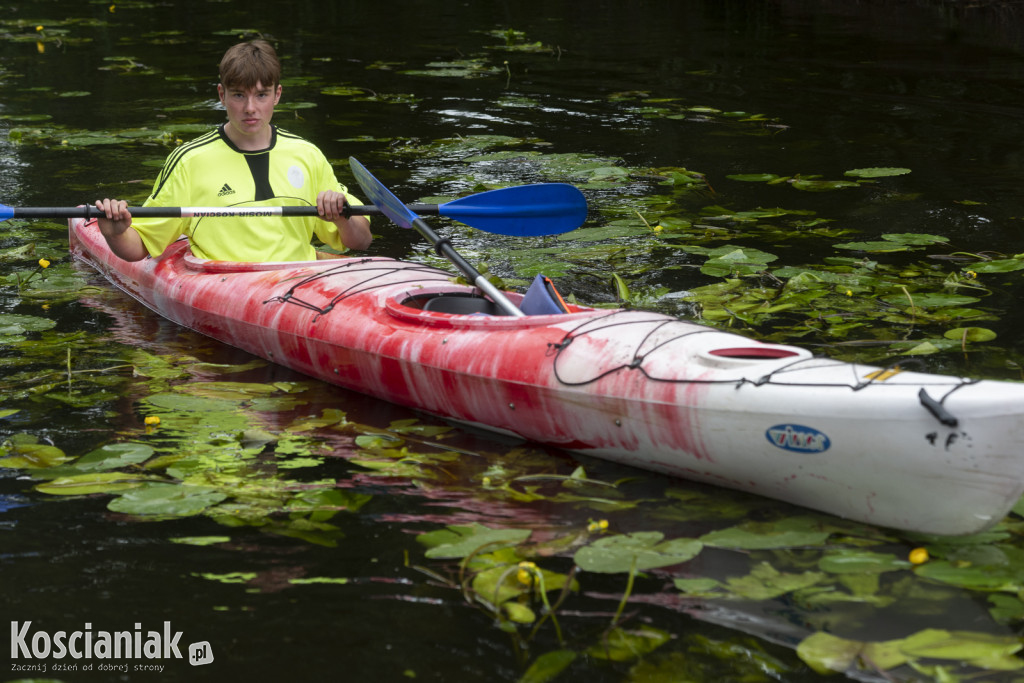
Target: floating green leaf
x=850 y=561
x=978 y=649
x=753 y=177
x=765 y=582
x=930 y=300
x=548 y=666
x=174 y=500
x=227 y=577
x=193 y=404
x=637 y=551
x=821 y=185
x=200 y=540
x=734 y=261
x=826 y=653
x=624 y=645
x=99 y=482
x=876 y=172
x=114 y=455
x=970 y=334
x=998 y=577
x=459 y=541
x=14 y=324
x=999 y=265
x=786 y=533
x=31 y=455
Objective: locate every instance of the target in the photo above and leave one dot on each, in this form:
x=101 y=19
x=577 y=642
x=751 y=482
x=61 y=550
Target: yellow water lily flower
x=918 y=556
x=43 y=263
x=596 y=526
x=526 y=571
x=152 y=421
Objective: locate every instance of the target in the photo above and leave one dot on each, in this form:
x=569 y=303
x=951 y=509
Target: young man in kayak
x=245 y=162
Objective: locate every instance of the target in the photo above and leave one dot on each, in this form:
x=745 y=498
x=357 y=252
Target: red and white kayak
x=913 y=451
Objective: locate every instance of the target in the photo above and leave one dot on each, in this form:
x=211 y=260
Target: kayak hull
x=913 y=451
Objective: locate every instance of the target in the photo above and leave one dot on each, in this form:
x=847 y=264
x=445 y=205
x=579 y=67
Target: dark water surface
x=935 y=87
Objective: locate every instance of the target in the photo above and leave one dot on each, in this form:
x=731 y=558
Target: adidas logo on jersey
x=226 y=190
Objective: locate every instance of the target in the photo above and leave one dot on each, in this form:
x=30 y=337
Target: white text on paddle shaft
x=229 y=213
x=87 y=644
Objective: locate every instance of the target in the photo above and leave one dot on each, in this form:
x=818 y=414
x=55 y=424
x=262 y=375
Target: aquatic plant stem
x=625 y=596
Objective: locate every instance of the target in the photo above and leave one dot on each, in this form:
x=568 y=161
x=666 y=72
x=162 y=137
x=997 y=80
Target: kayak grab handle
x=935 y=408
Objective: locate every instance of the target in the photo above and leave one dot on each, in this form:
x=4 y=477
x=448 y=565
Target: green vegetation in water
x=206 y=452
x=861 y=302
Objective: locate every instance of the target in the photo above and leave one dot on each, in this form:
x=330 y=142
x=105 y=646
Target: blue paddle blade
x=520 y=211
x=523 y=210
x=381 y=196
x=6 y=212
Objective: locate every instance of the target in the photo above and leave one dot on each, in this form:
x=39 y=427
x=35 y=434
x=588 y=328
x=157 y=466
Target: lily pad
x=971 y=334
x=861 y=562
x=175 y=500
x=547 y=666
x=200 y=540
x=99 y=482
x=765 y=582
x=461 y=541
x=113 y=456
x=1006 y=265
x=876 y=172
x=974 y=576
x=930 y=300
x=32 y=456
x=822 y=185
x=787 y=533
x=637 y=551
x=15 y=324
x=186 y=403
x=623 y=645
x=753 y=177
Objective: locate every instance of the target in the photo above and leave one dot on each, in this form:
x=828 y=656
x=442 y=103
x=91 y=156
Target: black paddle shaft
x=89 y=211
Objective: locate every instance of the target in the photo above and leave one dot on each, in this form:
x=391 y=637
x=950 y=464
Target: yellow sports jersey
x=211 y=171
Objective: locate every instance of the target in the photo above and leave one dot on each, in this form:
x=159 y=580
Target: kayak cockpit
x=456 y=303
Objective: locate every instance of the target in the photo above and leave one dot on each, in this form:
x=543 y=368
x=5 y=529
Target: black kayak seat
x=461 y=304
x=540 y=299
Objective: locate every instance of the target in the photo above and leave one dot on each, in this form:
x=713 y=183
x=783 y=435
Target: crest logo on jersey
x=296 y=177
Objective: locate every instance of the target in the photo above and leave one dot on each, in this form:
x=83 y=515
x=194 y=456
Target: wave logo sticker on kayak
x=798 y=438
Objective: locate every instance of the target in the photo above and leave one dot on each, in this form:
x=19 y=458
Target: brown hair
x=246 y=64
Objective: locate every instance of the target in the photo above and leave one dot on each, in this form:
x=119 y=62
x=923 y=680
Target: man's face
x=250 y=110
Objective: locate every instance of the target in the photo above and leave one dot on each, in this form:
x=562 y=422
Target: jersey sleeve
x=158 y=233
x=327 y=231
